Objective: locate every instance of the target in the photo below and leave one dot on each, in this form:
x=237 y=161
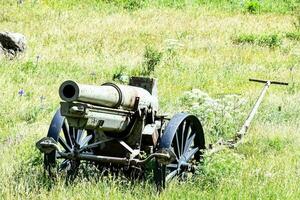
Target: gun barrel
x=109 y=95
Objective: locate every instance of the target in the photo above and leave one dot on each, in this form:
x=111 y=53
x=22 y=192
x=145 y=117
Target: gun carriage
x=119 y=127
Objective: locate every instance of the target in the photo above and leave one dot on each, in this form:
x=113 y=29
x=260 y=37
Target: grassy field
x=214 y=47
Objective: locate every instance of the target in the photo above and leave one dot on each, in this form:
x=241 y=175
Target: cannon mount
x=120 y=130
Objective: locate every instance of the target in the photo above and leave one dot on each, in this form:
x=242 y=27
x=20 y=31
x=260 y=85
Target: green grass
x=271 y=41
x=293 y=35
x=185 y=46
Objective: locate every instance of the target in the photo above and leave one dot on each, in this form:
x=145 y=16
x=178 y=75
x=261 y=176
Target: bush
x=253 y=6
x=132 y=4
x=219 y=117
x=269 y=40
x=120 y=74
x=128 y=4
x=293 y=35
x=272 y=40
x=152 y=58
x=245 y=39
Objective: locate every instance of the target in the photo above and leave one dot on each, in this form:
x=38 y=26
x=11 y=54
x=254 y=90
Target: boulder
x=12 y=43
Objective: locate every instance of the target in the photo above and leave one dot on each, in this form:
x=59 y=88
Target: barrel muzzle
x=69 y=91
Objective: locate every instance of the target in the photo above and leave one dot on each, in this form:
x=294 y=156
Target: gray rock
x=12 y=43
x=1 y=51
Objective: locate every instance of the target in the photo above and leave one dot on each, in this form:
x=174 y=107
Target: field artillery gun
x=117 y=127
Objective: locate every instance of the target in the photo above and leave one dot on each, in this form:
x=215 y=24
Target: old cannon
x=118 y=127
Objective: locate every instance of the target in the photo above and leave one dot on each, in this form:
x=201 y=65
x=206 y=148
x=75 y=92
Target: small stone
x=12 y=43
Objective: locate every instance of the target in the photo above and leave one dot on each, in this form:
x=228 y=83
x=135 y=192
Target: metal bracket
x=136 y=103
x=47 y=145
x=133 y=152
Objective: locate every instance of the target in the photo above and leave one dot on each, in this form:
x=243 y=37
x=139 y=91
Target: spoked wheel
x=185 y=138
x=68 y=139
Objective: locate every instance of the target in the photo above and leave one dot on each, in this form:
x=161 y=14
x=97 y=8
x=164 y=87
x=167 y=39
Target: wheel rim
x=183 y=136
x=69 y=139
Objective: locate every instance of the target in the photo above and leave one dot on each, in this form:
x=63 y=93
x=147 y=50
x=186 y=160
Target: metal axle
x=48 y=144
x=114 y=160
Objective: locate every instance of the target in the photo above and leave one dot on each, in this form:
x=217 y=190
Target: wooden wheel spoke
x=188 y=133
x=65 y=126
x=85 y=140
x=66 y=132
x=189 y=154
x=177 y=145
x=171 y=175
x=64 y=144
x=189 y=142
x=177 y=156
x=79 y=135
x=64 y=165
x=172 y=165
x=182 y=128
x=73 y=132
x=94 y=145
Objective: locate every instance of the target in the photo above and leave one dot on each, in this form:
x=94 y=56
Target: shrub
x=128 y=4
x=132 y=4
x=244 y=39
x=269 y=40
x=272 y=40
x=120 y=75
x=219 y=117
x=293 y=35
x=252 y=6
x=152 y=58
